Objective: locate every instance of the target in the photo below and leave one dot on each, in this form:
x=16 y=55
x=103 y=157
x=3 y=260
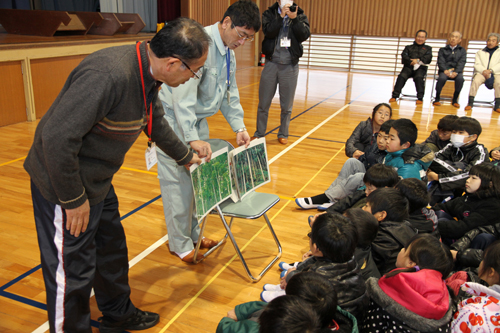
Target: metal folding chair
x=253 y=206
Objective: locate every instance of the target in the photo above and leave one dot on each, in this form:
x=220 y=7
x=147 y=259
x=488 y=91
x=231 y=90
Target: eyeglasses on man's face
x=197 y=75
x=243 y=36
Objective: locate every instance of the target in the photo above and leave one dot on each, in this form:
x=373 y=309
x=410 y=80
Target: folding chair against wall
x=253 y=206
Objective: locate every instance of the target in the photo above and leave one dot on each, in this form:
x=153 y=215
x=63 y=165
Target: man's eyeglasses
x=245 y=37
x=197 y=75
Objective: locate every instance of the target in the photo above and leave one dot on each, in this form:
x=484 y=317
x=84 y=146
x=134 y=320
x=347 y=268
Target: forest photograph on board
x=211 y=183
x=251 y=168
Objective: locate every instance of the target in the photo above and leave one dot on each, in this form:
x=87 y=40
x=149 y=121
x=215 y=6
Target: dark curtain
x=15 y=4
x=168 y=10
x=70 y=5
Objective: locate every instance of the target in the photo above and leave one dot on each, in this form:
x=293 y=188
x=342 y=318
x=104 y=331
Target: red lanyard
x=150 y=118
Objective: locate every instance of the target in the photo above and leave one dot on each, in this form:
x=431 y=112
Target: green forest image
x=251 y=168
x=211 y=183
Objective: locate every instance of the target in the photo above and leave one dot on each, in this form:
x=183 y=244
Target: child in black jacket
x=480 y=206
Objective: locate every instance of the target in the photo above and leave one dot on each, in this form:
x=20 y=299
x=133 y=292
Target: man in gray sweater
x=80 y=143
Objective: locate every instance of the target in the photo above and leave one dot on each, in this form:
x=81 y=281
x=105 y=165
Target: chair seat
x=253 y=206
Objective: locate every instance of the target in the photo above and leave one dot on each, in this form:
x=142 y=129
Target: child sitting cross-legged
x=316 y=297
x=332 y=243
x=367 y=226
x=414 y=297
x=480 y=206
x=378 y=176
x=409 y=159
x=420 y=217
x=350 y=177
x=440 y=137
x=390 y=208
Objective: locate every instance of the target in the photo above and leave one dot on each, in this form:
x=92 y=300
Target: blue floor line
x=312 y=107
x=297 y=136
x=31 y=271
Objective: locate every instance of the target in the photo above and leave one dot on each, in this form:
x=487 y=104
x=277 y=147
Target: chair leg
x=200 y=237
x=240 y=255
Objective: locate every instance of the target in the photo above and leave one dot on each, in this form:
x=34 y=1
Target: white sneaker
x=285 y=266
x=268 y=296
x=271 y=287
x=305 y=203
x=325 y=206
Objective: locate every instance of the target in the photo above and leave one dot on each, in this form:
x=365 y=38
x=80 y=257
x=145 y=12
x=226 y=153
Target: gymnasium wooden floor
x=193 y=298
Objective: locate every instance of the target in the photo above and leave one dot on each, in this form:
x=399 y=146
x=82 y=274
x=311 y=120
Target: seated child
x=495 y=156
x=332 y=242
x=482 y=313
x=451 y=165
x=367 y=227
x=350 y=177
x=390 y=208
x=363 y=134
x=413 y=297
x=409 y=159
x=441 y=137
x=378 y=176
x=420 y=217
x=313 y=289
x=480 y=206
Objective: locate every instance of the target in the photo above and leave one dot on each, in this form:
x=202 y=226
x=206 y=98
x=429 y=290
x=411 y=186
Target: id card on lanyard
x=151 y=158
x=228 y=65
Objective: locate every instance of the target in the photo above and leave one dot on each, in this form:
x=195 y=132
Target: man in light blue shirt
x=186 y=109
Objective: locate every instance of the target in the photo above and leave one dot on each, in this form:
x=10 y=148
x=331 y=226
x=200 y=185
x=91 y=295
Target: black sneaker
x=139 y=320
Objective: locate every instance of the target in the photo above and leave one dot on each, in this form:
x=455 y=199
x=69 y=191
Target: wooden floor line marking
x=17 y=159
x=317 y=173
x=177 y=315
x=302 y=138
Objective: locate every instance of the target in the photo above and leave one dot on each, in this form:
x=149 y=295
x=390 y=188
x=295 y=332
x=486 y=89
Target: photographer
x=285 y=27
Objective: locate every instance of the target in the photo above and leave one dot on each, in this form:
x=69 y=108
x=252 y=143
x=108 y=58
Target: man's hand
x=453 y=75
x=414 y=61
x=292 y=15
x=454 y=254
x=357 y=154
x=447 y=73
x=306 y=255
x=242 y=138
x=431 y=175
x=202 y=148
x=487 y=73
x=285 y=11
x=77 y=219
x=195 y=160
x=232 y=314
x=495 y=154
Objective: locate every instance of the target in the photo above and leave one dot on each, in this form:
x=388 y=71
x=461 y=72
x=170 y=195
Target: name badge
x=151 y=158
x=285 y=42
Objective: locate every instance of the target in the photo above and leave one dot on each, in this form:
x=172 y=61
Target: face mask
x=286 y=2
x=457 y=140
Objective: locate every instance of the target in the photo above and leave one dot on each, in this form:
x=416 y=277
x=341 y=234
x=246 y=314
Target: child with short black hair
x=450 y=168
x=367 y=226
x=378 y=176
x=390 y=208
x=441 y=137
x=350 y=177
x=413 y=297
x=480 y=206
x=332 y=243
x=409 y=159
x=364 y=134
x=481 y=315
x=420 y=217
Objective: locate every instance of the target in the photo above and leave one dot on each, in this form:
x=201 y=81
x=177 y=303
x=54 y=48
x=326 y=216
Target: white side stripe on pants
x=60 y=275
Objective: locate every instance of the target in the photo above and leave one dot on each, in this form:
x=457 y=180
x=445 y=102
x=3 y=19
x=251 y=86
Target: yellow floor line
x=137 y=170
x=286 y=198
x=177 y=315
x=317 y=173
x=17 y=159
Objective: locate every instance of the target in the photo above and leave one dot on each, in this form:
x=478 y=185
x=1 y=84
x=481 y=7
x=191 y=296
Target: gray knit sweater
x=80 y=143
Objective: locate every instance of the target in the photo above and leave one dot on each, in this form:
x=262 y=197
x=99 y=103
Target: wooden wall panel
x=12 y=101
x=48 y=77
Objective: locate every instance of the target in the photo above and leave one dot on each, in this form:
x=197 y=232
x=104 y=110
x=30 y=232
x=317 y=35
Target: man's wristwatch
x=243 y=129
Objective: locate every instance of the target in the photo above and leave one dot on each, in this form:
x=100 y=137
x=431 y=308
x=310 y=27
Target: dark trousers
x=459 y=83
x=72 y=266
x=418 y=77
x=482 y=241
